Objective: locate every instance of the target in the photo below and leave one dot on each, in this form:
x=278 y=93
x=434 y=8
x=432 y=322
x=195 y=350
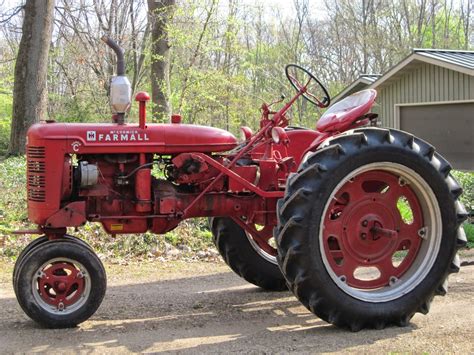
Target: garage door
x=449 y=127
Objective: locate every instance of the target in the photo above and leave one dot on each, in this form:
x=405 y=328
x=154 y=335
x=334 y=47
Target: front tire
x=60 y=283
x=32 y=245
x=345 y=245
x=245 y=257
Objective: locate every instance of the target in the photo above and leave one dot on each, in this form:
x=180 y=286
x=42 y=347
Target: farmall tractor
x=317 y=211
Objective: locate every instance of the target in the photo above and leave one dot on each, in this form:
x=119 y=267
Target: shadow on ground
x=216 y=313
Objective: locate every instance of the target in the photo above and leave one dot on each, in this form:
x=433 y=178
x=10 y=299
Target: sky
x=317 y=7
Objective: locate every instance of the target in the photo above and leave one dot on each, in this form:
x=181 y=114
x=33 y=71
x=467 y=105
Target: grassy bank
x=190 y=238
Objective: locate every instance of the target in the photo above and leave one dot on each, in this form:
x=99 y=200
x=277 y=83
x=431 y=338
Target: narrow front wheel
x=60 y=283
x=32 y=245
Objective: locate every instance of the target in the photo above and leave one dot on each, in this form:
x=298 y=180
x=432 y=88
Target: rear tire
x=354 y=183
x=244 y=257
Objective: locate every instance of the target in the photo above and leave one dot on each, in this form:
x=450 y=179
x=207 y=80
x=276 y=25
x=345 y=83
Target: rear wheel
x=248 y=259
x=369 y=229
x=60 y=283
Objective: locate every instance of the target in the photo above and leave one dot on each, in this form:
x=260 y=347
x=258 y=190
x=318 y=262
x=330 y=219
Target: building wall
x=425 y=83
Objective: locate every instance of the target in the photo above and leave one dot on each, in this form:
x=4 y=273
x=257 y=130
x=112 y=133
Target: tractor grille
x=36 y=172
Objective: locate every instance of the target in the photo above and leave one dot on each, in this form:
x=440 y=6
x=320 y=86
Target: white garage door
x=449 y=127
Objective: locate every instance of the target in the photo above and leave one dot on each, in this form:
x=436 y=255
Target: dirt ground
x=204 y=308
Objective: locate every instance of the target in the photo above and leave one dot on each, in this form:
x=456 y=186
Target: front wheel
x=60 y=283
x=369 y=229
x=32 y=245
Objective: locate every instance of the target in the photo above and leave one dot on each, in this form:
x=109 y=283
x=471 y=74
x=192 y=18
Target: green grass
x=469 y=229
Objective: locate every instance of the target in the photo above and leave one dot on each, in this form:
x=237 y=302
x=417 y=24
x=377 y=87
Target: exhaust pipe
x=118 y=51
x=120 y=88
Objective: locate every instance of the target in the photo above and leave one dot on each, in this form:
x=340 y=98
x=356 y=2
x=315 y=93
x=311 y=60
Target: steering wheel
x=300 y=78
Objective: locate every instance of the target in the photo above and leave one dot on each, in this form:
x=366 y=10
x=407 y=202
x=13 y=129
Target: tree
x=160 y=13
x=29 y=89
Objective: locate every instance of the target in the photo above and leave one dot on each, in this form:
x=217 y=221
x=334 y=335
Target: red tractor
x=362 y=224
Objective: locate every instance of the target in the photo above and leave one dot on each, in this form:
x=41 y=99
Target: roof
x=359 y=84
x=457 y=60
x=460 y=58
x=369 y=77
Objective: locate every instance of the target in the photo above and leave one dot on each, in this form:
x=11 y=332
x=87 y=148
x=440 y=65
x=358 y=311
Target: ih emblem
x=91 y=136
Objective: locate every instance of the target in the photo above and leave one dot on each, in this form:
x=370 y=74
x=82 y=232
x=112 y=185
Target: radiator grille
x=36 y=172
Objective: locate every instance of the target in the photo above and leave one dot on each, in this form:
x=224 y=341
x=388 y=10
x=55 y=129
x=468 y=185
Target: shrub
x=469 y=229
x=466 y=179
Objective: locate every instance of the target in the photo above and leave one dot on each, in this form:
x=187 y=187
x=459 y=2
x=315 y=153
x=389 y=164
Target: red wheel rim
x=367 y=242
x=263 y=237
x=60 y=284
x=260 y=241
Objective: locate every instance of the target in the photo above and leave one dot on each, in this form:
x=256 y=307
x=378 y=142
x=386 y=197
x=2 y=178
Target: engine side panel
x=86 y=138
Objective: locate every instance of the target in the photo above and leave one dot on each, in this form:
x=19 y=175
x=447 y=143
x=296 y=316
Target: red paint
x=363 y=228
x=247 y=173
x=204 y=176
x=61 y=284
x=143 y=190
x=340 y=116
x=74 y=213
x=175 y=118
x=261 y=237
x=143 y=185
x=142 y=97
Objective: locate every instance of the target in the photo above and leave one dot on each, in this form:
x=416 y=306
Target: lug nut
x=363 y=236
x=365 y=223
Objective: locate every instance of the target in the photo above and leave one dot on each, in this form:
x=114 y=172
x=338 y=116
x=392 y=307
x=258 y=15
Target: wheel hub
x=362 y=236
x=60 y=284
x=364 y=230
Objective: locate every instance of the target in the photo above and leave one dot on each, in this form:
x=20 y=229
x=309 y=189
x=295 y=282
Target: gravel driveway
x=203 y=308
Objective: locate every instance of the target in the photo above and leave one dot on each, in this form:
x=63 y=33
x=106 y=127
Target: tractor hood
x=92 y=138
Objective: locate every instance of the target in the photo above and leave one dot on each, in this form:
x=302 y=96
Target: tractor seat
x=345 y=112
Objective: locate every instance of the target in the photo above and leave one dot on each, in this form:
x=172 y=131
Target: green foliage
x=7 y=65
x=6 y=103
x=13 y=197
x=405 y=210
x=444 y=31
x=466 y=179
x=469 y=229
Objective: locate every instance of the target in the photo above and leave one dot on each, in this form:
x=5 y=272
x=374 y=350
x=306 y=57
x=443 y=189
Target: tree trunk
x=31 y=68
x=160 y=14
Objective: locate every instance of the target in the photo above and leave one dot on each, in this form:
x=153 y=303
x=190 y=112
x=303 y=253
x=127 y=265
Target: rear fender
x=325 y=140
